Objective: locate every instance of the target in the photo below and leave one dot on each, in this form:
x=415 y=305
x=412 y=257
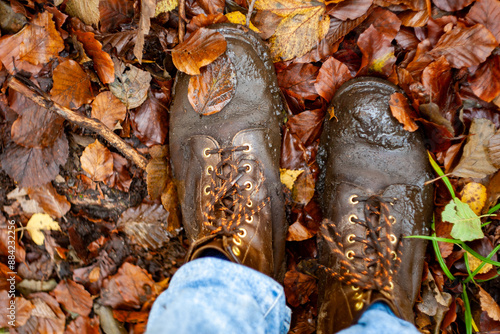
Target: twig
x=182 y=17
x=34 y=94
x=249 y=14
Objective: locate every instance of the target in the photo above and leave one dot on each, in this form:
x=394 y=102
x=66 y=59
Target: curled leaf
x=401 y=110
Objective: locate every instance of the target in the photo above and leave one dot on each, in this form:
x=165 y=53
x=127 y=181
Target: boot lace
x=375 y=268
x=229 y=202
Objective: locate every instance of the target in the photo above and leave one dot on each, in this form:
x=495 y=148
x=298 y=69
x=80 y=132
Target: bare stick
x=249 y=14
x=182 y=17
x=39 y=97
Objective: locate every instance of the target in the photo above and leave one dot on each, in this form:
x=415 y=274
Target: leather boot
x=226 y=165
x=372 y=195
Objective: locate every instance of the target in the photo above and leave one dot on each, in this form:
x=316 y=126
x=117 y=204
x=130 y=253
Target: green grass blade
x=439 y=257
x=493 y=209
x=493 y=252
x=467 y=312
x=440 y=172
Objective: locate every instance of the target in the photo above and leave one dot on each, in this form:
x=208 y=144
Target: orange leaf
x=97 y=161
x=115 y=12
x=200 y=49
x=103 y=64
x=71 y=85
x=51 y=202
x=298 y=232
x=211 y=91
x=489 y=305
x=298 y=287
x=83 y=325
x=157 y=171
x=48 y=315
x=485 y=83
x=108 y=109
x=331 y=76
x=402 y=112
x=73 y=297
x=487 y=12
x=23 y=309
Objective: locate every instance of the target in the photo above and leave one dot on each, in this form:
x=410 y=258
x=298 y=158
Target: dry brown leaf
x=489 y=305
x=150 y=121
x=298 y=232
x=83 y=325
x=350 y=9
x=212 y=6
x=298 y=287
x=410 y=18
x=211 y=91
x=494 y=149
x=49 y=317
x=52 y=203
x=71 y=85
x=121 y=177
x=131 y=84
x=484 y=83
x=465 y=47
x=401 y=110
x=200 y=49
x=203 y=20
x=157 y=171
x=23 y=309
x=85 y=10
x=303 y=188
x=452 y=5
x=102 y=60
x=170 y=201
x=148 y=8
x=487 y=12
x=73 y=297
x=6 y=241
x=97 y=161
x=115 y=12
x=108 y=109
x=331 y=76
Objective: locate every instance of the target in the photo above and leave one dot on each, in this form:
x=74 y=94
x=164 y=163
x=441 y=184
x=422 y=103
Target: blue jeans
x=211 y=295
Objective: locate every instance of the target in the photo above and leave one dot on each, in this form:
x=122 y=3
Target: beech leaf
x=487 y=12
x=200 y=49
x=51 y=202
x=108 y=109
x=484 y=83
x=131 y=85
x=97 y=161
x=115 y=12
x=41 y=222
x=103 y=64
x=148 y=8
x=474 y=194
x=452 y=5
x=288 y=177
x=401 y=110
x=157 y=171
x=494 y=149
x=489 y=305
x=71 y=85
x=211 y=91
x=48 y=315
x=331 y=76
x=350 y=9
x=150 y=120
x=73 y=297
x=85 y=10
x=466 y=224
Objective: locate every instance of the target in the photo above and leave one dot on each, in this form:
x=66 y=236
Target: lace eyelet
x=209 y=170
x=248 y=185
x=206 y=190
x=351 y=199
x=236 y=240
x=249 y=220
x=394 y=255
x=359 y=306
x=350 y=238
x=236 y=250
x=354 y=288
x=351 y=217
x=248 y=149
x=248 y=168
x=391 y=285
x=349 y=254
x=391 y=217
x=242 y=233
x=205 y=152
x=358 y=295
x=393 y=239
x=249 y=203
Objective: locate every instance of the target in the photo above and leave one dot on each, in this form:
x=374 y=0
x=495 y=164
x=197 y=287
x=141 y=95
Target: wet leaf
x=239 y=18
x=484 y=82
x=97 y=161
x=157 y=171
x=131 y=84
x=288 y=177
x=350 y=9
x=443 y=230
x=71 y=85
x=165 y=6
x=108 y=109
x=331 y=76
x=452 y=5
x=475 y=161
x=434 y=115
x=486 y=12
x=494 y=149
x=401 y=110
x=129 y=288
x=52 y=203
x=474 y=194
x=306 y=126
x=102 y=60
x=48 y=314
x=203 y=20
x=489 y=305
x=145 y=225
x=73 y=297
x=200 y=49
x=148 y=8
x=465 y=47
x=303 y=26
x=466 y=224
x=150 y=121
x=83 y=325
x=115 y=12
x=298 y=80
x=41 y=222
x=85 y=10
x=435 y=77
x=211 y=91
x=298 y=287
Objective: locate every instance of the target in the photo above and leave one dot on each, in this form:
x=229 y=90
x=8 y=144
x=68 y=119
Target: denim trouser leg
x=210 y=295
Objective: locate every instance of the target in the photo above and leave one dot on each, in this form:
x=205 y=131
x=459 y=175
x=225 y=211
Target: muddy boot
x=226 y=165
x=372 y=195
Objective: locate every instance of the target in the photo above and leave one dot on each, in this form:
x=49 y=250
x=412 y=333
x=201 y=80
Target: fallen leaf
x=48 y=314
x=129 y=288
x=435 y=77
x=484 y=82
x=452 y=5
x=443 y=230
x=475 y=161
x=150 y=121
x=148 y=8
x=350 y=9
x=433 y=114
x=212 y=6
x=303 y=26
x=52 y=203
x=40 y=222
x=266 y=21
x=494 y=149
x=433 y=301
x=23 y=309
x=165 y=6
x=130 y=316
x=298 y=80
x=239 y=18
x=307 y=125
x=331 y=76
x=113 y=13
x=131 y=84
x=474 y=194
x=170 y=201
x=85 y=10
x=288 y=177
x=71 y=85
x=489 y=305
x=466 y=224
x=298 y=287
x=303 y=189
x=401 y=110
x=474 y=263
x=6 y=241
x=145 y=225
x=97 y=161
x=108 y=109
x=410 y=18
x=378 y=52
x=204 y=20
x=486 y=12
x=122 y=41
x=200 y=49
x=103 y=64
x=157 y=171
x=211 y=91
x=298 y=232
x=465 y=47
x=83 y=325
x=73 y=297
x=121 y=177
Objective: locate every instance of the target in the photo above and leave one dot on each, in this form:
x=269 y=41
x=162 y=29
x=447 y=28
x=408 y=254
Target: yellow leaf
x=85 y=10
x=39 y=222
x=288 y=177
x=239 y=18
x=165 y=6
x=331 y=113
x=474 y=194
x=474 y=262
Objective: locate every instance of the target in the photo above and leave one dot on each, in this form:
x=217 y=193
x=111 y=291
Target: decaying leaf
x=200 y=49
x=158 y=171
x=108 y=109
x=486 y=12
x=170 y=201
x=73 y=297
x=474 y=262
x=239 y=18
x=288 y=177
x=452 y=5
x=85 y=10
x=433 y=300
x=401 y=110
x=494 y=149
x=484 y=82
x=298 y=287
x=115 y=12
x=165 y=6
x=52 y=203
x=6 y=241
x=211 y=91
x=23 y=309
x=466 y=224
x=378 y=52
x=331 y=76
x=298 y=232
x=131 y=84
x=40 y=222
x=489 y=305
x=83 y=325
x=474 y=194
x=121 y=177
x=475 y=162
x=303 y=189
x=102 y=60
x=148 y=8
x=97 y=161
x=71 y=85
x=48 y=314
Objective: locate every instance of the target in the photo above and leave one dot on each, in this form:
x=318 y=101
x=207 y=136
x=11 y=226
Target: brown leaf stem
x=249 y=14
x=43 y=100
x=182 y=17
